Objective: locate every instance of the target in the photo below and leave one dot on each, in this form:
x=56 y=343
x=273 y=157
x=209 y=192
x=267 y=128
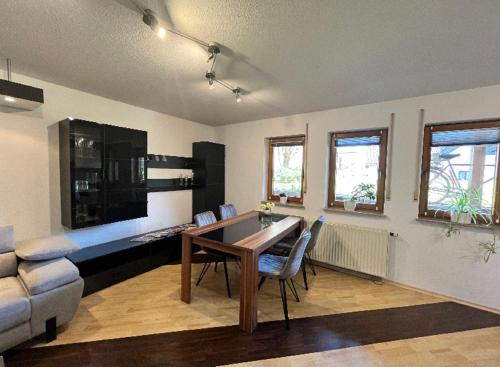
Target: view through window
x=357 y=169
x=286 y=161
x=460 y=158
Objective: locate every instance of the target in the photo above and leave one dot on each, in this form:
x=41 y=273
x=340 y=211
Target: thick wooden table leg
x=187 y=250
x=248 y=291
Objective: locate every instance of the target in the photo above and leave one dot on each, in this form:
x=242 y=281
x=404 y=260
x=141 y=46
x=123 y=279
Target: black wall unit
x=211 y=177
x=103 y=173
x=174 y=162
x=109 y=263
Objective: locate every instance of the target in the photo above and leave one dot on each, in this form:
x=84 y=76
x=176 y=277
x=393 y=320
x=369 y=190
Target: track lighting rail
x=213 y=50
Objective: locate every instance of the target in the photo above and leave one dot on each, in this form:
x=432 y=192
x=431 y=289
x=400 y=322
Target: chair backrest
x=205 y=218
x=294 y=260
x=227 y=211
x=315 y=229
x=8 y=258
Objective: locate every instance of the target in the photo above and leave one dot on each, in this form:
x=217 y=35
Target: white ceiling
x=292 y=56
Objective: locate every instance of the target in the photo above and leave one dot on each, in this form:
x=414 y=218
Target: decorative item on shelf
x=363 y=191
x=283 y=198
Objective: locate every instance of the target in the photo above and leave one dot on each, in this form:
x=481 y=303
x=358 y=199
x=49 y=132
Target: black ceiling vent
x=17 y=96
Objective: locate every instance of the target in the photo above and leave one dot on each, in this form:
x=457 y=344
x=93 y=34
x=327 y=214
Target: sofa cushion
x=15 y=307
x=43 y=276
x=6 y=239
x=8 y=264
x=45 y=248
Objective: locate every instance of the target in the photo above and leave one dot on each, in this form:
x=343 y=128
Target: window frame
x=378 y=207
x=270 y=167
x=423 y=211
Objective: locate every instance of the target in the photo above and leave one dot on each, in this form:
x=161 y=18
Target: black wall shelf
x=170 y=184
x=174 y=162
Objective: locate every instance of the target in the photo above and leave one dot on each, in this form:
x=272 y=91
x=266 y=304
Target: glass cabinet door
x=87 y=173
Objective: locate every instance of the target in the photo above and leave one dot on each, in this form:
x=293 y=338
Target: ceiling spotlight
x=211 y=79
x=10 y=99
x=237 y=92
x=162 y=32
x=153 y=23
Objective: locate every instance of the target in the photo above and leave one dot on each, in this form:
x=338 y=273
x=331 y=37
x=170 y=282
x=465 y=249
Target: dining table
x=244 y=236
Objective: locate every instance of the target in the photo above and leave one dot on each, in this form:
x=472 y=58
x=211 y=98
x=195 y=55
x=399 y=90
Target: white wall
x=29 y=163
x=422 y=256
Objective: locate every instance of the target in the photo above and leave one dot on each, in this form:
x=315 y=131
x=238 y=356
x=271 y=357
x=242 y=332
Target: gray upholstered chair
x=286 y=246
x=227 y=211
x=284 y=268
x=36 y=295
x=204 y=219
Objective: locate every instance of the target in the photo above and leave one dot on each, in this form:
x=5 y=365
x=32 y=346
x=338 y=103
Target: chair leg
x=215 y=267
x=227 y=278
x=261 y=282
x=206 y=266
x=304 y=274
x=283 y=300
x=291 y=285
x=311 y=264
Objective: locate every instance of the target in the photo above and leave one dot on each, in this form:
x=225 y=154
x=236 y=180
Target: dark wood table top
x=246 y=232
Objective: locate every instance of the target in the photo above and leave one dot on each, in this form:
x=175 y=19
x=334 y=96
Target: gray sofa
x=36 y=296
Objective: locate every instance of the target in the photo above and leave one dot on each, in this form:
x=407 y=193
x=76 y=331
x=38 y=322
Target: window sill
x=287 y=205
x=444 y=222
x=356 y=212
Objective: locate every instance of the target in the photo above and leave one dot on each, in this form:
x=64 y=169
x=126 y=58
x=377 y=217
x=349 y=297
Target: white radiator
x=361 y=249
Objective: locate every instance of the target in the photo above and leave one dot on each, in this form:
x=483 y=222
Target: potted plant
x=283 y=198
x=464 y=208
x=267 y=207
x=361 y=192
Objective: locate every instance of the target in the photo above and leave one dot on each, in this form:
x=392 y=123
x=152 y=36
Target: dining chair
x=204 y=219
x=227 y=211
x=284 y=268
x=285 y=247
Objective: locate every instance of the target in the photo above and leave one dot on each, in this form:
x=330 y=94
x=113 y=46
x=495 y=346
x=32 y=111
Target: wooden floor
x=475 y=348
x=341 y=320
x=150 y=304
x=225 y=345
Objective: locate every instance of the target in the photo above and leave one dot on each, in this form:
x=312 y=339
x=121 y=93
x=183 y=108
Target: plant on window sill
x=361 y=191
x=464 y=210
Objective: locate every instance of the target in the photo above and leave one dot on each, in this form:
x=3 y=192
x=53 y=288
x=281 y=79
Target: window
x=286 y=168
x=456 y=158
x=358 y=159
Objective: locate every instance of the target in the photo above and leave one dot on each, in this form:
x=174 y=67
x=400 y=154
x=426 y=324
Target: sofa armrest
x=42 y=276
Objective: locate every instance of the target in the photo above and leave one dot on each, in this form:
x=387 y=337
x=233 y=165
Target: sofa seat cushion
x=49 y=248
x=43 y=276
x=15 y=307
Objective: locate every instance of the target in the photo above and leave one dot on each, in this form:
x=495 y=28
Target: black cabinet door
x=124 y=143
x=212 y=177
x=126 y=204
x=87 y=189
x=125 y=173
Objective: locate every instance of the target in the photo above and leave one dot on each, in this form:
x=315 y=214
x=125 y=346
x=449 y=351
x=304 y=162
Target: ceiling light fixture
x=237 y=93
x=16 y=96
x=150 y=19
